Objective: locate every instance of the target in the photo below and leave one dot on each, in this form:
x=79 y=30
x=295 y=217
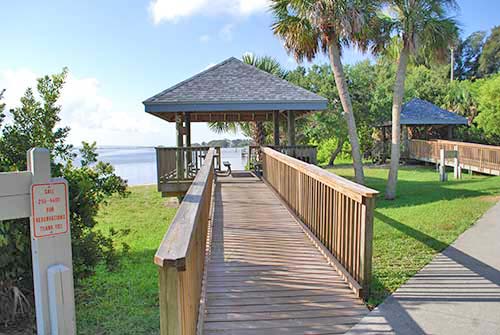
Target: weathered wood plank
x=264 y=274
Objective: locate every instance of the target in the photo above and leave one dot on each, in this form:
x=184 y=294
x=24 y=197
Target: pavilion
x=233 y=91
x=422 y=113
x=230 y=91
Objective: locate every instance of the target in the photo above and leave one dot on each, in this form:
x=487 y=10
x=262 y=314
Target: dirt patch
x=490 y=198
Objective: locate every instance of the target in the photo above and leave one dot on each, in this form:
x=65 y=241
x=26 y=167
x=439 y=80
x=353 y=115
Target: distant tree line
x=225 y=143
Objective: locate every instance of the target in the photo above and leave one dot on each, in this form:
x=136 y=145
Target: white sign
x=49 y=209
x=44 y=200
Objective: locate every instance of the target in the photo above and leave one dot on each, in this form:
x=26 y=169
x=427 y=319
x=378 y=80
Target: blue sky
x=121 y=52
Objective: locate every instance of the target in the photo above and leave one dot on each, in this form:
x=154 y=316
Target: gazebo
x=230 y=91
x=422 y=113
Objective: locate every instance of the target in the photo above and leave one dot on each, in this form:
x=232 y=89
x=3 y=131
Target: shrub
x=90 y=185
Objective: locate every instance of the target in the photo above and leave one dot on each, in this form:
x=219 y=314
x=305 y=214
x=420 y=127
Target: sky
x=120 y=53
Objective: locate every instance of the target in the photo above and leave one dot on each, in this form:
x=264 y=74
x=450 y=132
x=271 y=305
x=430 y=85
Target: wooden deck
x=264 y=275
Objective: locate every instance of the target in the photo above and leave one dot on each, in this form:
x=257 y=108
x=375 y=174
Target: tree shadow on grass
x=414 y=192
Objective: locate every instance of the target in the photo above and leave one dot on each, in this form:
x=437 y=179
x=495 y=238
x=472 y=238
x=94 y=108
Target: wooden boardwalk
x=264 y=275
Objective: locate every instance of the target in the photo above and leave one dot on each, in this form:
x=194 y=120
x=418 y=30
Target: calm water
x=138 y=165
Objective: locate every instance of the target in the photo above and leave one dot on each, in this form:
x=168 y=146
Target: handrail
x=305 y=153
x=356 y=191
x=475 y=157
x=181 y=255
x=336 y=211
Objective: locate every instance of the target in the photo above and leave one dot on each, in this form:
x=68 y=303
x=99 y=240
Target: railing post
x=368 y=208
x=442 y=165
x=170 y=306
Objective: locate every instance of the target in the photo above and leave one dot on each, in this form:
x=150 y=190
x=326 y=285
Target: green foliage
x=467 y=55
x=34 y=125
x=429 y=84
x=489 y=63
x=126 y=301
x=90 y=185
x=489 y=105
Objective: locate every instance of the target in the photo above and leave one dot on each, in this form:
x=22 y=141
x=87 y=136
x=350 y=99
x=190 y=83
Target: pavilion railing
x=337 y=212
x=181 y=255
x=305 y=153
x=475 y=157
x=177 y=165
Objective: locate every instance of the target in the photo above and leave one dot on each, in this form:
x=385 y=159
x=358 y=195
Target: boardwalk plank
x=264 y=275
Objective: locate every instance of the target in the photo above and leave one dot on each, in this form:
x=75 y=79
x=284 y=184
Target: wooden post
x=384 y=145
x=187 y=128
x=457 y=169
x=170 y=307
x=276 y=123
x=450 y=132
x=366 y=245
x=404 y=133
x=442 y=165
x=187 y=120
x=180 y=144
x=291 y=128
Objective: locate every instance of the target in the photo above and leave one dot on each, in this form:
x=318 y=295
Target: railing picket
x=338 y=212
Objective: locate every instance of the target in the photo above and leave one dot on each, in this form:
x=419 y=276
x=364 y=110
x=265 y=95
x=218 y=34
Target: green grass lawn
x=425 y=218
x=126 y=301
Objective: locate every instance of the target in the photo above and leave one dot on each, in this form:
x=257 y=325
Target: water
x=138 y=164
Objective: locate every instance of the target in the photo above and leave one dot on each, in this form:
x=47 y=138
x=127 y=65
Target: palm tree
x=419 y=27
x=309 y=27
x=256 y=129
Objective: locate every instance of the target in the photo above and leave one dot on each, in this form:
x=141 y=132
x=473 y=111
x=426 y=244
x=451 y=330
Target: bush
x=90 y=185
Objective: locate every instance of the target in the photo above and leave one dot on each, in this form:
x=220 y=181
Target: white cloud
x=205 y=38
x=173 y=10
x=226 y=33
x=90 y=115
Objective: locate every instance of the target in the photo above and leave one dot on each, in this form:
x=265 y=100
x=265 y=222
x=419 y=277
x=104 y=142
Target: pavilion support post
x=187 y=130
x=180 y=144
x=450 y=132
x=276 y=123
x=406 y=143
x=291 y=128
x=187 y=121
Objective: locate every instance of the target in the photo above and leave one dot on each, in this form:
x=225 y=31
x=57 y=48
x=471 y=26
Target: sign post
x=45 y=201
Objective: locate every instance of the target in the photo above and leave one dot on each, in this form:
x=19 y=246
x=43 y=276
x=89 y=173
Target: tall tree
x=489 y=63
x=309 y=27
x=419 y=26
x=467 y=55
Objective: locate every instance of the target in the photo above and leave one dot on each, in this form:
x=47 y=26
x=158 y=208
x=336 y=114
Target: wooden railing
x=338 y=212
x=177 y=167
x=181 y=255
x=475 y=157
x=305 y=153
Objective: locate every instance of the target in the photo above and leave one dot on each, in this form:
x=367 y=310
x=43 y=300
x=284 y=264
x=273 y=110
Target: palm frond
x=223 y=127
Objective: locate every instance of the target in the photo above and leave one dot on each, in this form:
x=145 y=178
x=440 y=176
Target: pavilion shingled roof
x=232 y=87
x=421 y=112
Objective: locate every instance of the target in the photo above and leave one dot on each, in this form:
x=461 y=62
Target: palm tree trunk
x=345 y=99
x=258 y=134
x=397 y=103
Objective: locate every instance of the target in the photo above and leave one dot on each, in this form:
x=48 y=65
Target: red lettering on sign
x=49 y=209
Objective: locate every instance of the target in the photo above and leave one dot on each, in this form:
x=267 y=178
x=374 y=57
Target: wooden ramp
x=263 y=274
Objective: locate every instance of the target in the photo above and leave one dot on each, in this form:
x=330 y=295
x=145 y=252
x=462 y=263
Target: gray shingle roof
x=421 y=112
x=234 y=86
